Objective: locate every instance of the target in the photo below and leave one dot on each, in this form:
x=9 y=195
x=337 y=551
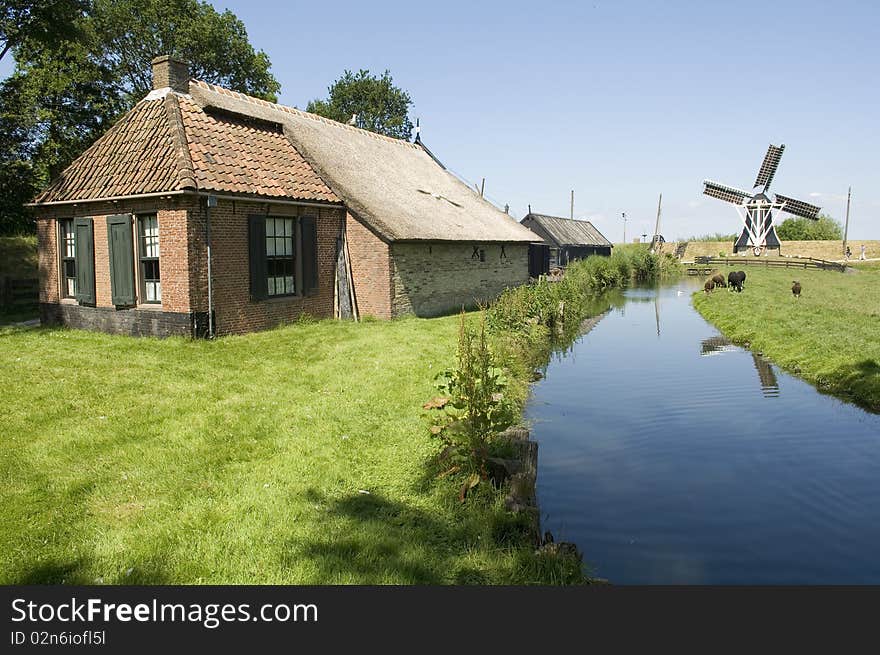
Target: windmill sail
x=769 y=166
x=798 y=207
x=725 y=193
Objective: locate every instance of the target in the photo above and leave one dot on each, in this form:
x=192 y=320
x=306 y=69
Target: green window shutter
x=257 y=247
x=85 y=260
x=309 y=254
x=121 y=251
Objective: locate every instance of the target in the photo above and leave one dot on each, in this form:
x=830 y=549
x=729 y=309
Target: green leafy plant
x=472 y=408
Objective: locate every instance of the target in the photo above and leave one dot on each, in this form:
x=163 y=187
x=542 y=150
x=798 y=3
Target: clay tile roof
x=238 y=154
x=137 y=155
x=169 y=143
x=565 y=231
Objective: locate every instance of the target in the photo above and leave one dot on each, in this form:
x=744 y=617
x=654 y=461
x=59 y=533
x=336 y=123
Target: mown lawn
x=830 y=337
x=290 y=456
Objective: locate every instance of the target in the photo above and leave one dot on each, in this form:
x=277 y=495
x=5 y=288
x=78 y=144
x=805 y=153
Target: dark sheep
x=796 y=289
x=709 y=286
x=735 y=281
x=718 y=279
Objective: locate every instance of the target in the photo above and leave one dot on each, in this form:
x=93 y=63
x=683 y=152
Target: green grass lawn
x=290 y=456
x=830 y=337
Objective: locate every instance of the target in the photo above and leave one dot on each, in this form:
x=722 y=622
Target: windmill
x=756 y=209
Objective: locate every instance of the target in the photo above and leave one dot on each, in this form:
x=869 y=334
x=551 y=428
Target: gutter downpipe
x=210 y=201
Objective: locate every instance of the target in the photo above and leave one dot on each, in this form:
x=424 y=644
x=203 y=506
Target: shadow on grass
x=380 y=541
x=56 y=571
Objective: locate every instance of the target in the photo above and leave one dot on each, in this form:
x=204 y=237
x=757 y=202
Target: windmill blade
x=768 y=167
x=726 y=193
x=798 y=207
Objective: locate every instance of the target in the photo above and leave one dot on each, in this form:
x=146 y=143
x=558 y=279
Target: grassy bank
x=829 y=337
x=291 y=456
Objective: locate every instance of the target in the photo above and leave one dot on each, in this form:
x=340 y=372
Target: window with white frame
x=68 y=259
x=280 y=255
x=148 y=246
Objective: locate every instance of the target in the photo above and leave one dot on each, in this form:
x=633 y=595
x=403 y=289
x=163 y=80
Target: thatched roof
x=395 y=186
x=213 y=139
x=565 y=232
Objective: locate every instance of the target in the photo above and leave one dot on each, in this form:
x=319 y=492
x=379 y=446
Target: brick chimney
x=170 y=72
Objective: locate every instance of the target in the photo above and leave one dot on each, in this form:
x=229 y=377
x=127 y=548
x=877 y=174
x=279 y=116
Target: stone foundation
x=133 y=322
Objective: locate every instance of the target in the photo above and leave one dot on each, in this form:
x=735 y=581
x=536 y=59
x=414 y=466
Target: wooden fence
x=782 y=262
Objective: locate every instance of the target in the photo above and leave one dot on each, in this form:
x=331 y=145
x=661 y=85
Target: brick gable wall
x=436 y=278
x=370 y=268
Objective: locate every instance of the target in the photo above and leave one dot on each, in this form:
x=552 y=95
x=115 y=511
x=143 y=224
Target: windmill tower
x=756 y=209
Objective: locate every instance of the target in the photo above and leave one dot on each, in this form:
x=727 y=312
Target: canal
x=670 y=456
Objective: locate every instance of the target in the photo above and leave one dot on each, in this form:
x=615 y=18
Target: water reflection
x=664 y=464
x=766 y=376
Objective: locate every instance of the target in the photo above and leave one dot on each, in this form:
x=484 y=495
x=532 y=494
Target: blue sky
x=617 y=100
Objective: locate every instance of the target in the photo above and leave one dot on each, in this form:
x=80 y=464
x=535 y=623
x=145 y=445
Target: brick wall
x=370 y=268
x=234 y=310
x=47 y=259
x=141 y=323
x=173 y=265
x=430 y=279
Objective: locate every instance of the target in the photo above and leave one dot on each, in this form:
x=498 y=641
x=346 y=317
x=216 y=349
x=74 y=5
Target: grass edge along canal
x=828 y=337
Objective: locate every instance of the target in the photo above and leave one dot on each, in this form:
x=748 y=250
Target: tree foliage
x=374 y=104
x=64 y=94
x=38 y=21
x=805 y=229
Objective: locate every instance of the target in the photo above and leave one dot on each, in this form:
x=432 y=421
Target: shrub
x=472 y=408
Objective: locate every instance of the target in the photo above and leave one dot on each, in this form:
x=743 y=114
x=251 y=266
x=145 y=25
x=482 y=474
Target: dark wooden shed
x=568 y=239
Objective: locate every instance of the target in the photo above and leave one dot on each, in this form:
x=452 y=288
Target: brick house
x=206 y=210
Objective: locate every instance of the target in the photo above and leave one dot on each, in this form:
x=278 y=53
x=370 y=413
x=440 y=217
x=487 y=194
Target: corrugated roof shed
x=563 y=232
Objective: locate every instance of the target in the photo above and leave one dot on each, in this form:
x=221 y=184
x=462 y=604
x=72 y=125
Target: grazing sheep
x=718 y=279
x=735 y=280
x=796 y=289
x=709 y=286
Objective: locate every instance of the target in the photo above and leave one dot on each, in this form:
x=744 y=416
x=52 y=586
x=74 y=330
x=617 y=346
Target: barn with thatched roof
x=203 y=210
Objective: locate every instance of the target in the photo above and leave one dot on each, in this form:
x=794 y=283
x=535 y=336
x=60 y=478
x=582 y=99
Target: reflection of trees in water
x=766 y=375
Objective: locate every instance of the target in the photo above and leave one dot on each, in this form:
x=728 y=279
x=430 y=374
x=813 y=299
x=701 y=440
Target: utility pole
x=624 y=227
x=482 y=187
x=846 y=226
x=656 y=237
x=572 y=205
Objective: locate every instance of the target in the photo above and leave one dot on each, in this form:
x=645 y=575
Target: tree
x=805 y=229
x=374 y=102
x=38 y=21
x=64 y=95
